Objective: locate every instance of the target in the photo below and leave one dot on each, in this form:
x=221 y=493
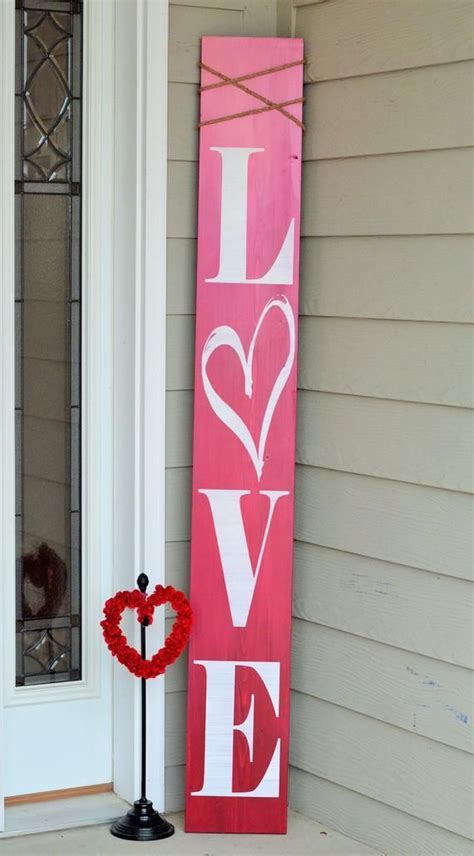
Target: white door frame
x=124 y=278
x=140 y=346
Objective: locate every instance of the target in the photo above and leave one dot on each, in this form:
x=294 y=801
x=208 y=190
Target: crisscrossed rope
x=224 y=80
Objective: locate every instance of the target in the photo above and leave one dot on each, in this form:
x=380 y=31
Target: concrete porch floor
x=304 y=838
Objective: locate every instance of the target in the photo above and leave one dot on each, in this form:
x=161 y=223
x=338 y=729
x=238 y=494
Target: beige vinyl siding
x=382 y=687
x=398 y=277
x=383 y=600
x=188 y=21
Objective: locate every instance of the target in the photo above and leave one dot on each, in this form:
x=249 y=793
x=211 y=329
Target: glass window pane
x=48 y=342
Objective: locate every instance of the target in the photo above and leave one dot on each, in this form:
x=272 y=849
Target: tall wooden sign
x=244 y=434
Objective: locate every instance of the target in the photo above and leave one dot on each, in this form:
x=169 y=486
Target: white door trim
x=7 y=327
x=140 y=342
x=152 y=221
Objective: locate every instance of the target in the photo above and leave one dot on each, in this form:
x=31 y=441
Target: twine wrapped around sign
x=224 y=80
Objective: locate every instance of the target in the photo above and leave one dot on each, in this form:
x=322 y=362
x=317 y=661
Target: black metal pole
x=144 y=735
x=142 y=822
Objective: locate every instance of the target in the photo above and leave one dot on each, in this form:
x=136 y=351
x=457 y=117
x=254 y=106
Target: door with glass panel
x=58 y=701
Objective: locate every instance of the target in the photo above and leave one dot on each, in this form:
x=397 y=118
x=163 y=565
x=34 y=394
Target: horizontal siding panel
x=359 y=116
x=426 y=613
x=414 y=193
x=418 y=278
x=180 y=330
x=175 y=722
x=174 y=788
x=175 y=712
x=191 y=19
x=419 y=193
x=177 y=575
x=368 y=820
x=181 y=276
x=423 y=362
x=416 y=775
x=183 y=118
x=182 y=199
x=345 y=38
x=177 y=674
x=420 y=443
x=368 y=115
x=186 y=26
x=178 y=504
x=398 y=440
x=177 y=564
x=179 y=428
x=422 y=527
x=418 y=694
x=418 y=361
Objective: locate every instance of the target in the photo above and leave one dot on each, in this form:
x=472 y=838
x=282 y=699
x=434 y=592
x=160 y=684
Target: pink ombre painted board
x=244 y=441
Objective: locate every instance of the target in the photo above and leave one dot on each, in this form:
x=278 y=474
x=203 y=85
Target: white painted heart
x=227 y=336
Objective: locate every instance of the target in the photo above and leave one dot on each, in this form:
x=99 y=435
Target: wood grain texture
x=408 y=524
x=230 y=309
x=188 y=22
x=426 y=362
x=418 y=694
x=418 y=193
x=416 y=775
x=365 y=819
x=347 y=38
x=413 y=278
x=426 y=613
x=418 y=443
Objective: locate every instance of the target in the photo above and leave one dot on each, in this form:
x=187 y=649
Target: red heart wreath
x=145 y=606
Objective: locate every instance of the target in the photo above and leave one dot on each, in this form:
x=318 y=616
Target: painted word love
x=244 y=434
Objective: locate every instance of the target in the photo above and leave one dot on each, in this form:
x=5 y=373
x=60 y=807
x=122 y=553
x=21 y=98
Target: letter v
x=240 y=579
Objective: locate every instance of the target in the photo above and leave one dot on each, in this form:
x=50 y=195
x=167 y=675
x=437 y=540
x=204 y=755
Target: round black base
x=142 y=823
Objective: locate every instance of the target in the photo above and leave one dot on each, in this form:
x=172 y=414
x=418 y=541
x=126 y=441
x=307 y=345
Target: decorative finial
x=142 y=582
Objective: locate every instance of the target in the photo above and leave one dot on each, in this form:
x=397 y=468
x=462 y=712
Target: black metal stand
x=142 y=822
